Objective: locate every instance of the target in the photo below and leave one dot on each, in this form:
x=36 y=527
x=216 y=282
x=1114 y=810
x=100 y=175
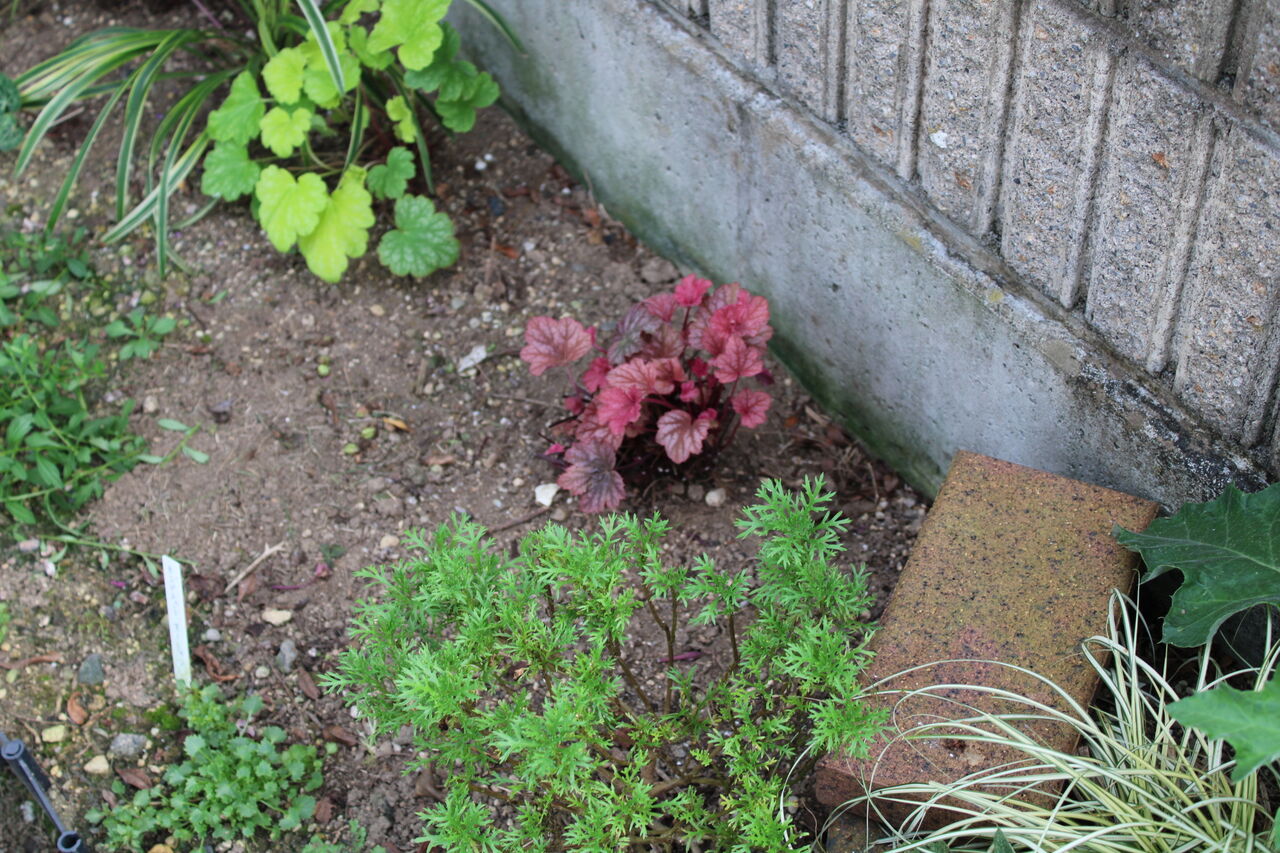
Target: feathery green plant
x=519 y=679
x=367 y=72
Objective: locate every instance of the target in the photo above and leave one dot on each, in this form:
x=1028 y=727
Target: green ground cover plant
x=322 y=115
x=230 y=785
x=519 y=681
x=673 y=380
x=59 y=447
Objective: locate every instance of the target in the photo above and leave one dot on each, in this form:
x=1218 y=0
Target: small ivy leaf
x=737 y=361
x=460 y=116
x=197 y=456
x=289 y=208
x=390 y=179
x=1245 y=718
x=682 y=434
x=343 y=229
x=413 y=28
x=1228 y=551
x=422 y=241
x=591 y=476
x=237 y=120
x=228 y=172
x=752 y=406
x=283 y=131
x=172 y=425
x=398 y=111
x=283 y=75
x=552 y=343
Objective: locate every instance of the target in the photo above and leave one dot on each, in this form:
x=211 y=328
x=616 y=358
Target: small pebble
x=388 y=541
x=716 y=497
x=29 y=546
x=377 y=310
x=150 y=405
x=28 y=810
x=54 y=734
x=287 y=655
x=696 y=492
x=212 y=635
x=545 y=493
x=126 y=745
x=261 y=672
x=91 y=670
x=276 y=617
x=98 y=766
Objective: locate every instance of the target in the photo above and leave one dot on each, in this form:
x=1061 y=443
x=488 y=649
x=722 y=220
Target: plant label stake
x=177 y=606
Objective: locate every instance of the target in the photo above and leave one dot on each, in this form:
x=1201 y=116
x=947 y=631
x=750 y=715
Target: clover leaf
x=390 y=179
x=228 y=172
x=289 y=208
x=411 y=26
x=283 y=131
x=236 y=120
x=343 y=229
x=283 y=75
x=422 y=241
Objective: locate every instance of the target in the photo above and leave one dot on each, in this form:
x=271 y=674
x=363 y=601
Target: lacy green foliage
x=518 y=678
x=228 y=786
x=1228 y=551
x=57 y=451
x=311 y=100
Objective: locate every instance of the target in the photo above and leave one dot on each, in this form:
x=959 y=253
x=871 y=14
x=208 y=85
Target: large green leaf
x=228 y=172
x=343 y=229
x=1247 y=719
x=288 y=208
x=1228 y=551
x=412 y=27
x=237 y=119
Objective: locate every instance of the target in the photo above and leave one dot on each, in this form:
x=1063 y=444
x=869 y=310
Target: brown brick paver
x=1012 y=565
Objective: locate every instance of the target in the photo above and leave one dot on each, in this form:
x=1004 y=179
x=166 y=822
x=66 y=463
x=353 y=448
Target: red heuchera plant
x=669 y=383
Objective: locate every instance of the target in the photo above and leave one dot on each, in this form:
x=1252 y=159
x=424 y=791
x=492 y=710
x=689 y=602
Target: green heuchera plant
x=228 y=786
x=320 y=119
x=519 y=678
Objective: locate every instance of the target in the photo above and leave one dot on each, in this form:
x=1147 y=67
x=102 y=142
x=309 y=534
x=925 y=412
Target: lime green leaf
x=460 y=116
x=359 y=38
x=287 y=208
x=422 y=241
x=228 y=172
x=355 y=8
x=283 y=75
x=11 y=133
x=389 y=180
x=1248 y=719
x=283 y=131
x=343 y=230
x=398 y=110
x=1228 y=551
x=318 y=82
x=171 y=425
x=412 y=26
x=433 y=76
x=237 y=119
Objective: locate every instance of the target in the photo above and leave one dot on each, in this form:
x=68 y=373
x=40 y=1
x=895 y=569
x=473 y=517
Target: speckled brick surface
x=1012 y=565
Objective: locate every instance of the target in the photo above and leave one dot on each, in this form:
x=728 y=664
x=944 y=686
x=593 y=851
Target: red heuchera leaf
x=629 y=335
x=662 y=306
x=554 y=449
x=751 y=406
x=738 y=361
x=699 y=368
x=690 y=290
x=667 y=342
x=689 y=392
x=593 y=379
x=639 y=375
x=747 y=317
x=591 y=428
x=682 y=435
x=551 y=343
x=591 y=476
x=618 y=407
x=670 y=374
x=574 y=404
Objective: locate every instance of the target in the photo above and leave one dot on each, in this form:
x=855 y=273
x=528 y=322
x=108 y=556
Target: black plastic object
x=18 y=757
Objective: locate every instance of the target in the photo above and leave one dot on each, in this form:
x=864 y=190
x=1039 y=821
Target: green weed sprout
x=519 y=680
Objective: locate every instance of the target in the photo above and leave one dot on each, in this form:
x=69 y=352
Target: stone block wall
x=1101 y=179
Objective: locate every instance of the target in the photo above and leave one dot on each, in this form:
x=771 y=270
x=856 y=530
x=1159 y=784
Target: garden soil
x=334 y=419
